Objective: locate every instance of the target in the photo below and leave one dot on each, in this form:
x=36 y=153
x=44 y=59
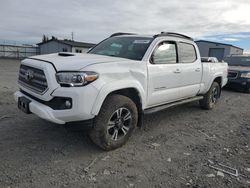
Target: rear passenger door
x=191 y=70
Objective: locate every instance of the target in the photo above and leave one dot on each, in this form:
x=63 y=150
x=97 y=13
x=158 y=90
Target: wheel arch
x=218 y=80
x=131 y=93
x=133 y=90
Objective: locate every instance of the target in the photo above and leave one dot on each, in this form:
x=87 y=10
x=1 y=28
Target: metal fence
x=17 y=52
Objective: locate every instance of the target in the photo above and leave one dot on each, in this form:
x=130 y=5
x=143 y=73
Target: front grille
x=33 y=79
x=232 y=74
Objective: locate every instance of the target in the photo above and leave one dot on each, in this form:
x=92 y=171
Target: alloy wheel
x=119 y=123
x=214 y=95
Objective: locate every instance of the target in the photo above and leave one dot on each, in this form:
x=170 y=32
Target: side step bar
x=165 y=106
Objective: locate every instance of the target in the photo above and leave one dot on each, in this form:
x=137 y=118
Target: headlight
x=245 y=75
x=76 y=79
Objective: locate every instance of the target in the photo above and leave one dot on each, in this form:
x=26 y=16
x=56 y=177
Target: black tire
x=211 y=97
x=109 y=130
x=247 y=90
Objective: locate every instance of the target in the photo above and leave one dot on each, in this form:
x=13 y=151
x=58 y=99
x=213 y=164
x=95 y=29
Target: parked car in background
x=239 y=72
x=209 y=59
x=117 y=81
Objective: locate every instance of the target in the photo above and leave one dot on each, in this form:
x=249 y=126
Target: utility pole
x=72 y=36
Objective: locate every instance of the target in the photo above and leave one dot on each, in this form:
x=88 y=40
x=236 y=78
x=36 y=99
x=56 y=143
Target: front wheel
x=115 y=122
x=211 y=97
x=247 y=90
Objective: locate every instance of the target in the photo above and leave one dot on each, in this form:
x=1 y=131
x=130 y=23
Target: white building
x=54 y=45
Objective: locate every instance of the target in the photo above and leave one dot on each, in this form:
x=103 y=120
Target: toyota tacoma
x=118 y=81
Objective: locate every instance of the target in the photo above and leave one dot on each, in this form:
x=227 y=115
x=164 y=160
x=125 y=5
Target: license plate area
x=23 y=104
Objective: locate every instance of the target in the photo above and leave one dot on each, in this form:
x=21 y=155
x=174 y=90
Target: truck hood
x=76 y=61
x=239 y=68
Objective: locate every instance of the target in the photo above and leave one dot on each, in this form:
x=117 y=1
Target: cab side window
x=187 y=53
x=165 y=53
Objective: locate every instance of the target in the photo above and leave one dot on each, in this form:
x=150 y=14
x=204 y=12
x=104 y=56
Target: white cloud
x=247 y=51
x=230 y=39
x=91 y=21
x=239 y=13
x=209 y=38
x=240 y=36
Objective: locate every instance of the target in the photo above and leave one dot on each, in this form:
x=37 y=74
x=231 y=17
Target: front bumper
x=83 y=99
x=239 y=83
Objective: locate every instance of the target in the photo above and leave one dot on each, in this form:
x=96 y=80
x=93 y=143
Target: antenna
x=72 y=35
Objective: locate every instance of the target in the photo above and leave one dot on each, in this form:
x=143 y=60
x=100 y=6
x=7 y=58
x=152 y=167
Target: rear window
x=187 y=53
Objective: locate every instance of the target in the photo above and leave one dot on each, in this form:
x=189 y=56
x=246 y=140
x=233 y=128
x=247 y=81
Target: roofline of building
x=219 y=43
x=62 y=42
x=88 y=45
x=47 y=41
x=239 y=55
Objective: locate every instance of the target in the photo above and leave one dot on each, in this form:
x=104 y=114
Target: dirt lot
x=172 y=151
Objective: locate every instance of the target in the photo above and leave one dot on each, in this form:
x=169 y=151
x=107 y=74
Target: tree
x=45 y=38
x=54 y=38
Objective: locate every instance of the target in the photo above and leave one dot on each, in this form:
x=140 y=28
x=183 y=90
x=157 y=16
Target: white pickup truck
x=117 y=82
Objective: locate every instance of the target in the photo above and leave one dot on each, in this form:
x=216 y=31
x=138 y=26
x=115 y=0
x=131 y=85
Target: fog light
x=68 y=104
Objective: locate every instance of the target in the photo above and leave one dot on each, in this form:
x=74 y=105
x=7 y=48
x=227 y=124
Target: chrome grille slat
x=38 y=82
x=35 y=81
x=31 y=87
x=22 y=71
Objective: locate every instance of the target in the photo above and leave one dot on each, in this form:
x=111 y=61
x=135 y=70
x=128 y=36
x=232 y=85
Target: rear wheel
x=211 y=97
x=115 y=122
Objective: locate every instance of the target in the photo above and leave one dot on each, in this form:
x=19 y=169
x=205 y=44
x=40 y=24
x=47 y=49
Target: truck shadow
x=40 y=140
x=235 y=90
x=170 y=114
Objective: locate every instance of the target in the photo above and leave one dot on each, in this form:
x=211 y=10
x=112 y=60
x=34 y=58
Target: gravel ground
x=173 y=150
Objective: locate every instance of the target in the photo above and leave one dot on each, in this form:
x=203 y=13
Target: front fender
x=114 y=86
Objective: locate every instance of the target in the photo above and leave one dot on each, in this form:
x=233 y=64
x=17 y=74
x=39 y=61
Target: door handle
x=177 y=71
x=197 y=70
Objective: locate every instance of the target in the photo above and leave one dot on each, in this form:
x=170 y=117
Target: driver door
x=163 y=75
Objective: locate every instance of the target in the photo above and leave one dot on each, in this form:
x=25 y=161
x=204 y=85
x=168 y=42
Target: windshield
x=238 y=61
x=125 y=47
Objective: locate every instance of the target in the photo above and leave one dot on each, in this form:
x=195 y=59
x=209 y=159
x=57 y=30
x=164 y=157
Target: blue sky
x=25 y=21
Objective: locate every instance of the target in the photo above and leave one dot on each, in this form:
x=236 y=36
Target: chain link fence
x=17 y=52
